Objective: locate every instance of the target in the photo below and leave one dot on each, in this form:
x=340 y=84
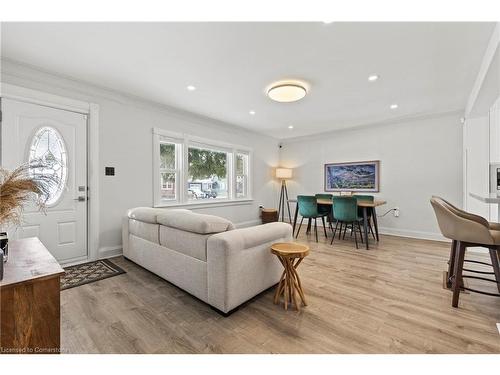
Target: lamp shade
x=283 y=173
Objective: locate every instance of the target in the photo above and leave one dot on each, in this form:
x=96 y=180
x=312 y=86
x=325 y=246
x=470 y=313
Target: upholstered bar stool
x=479 y=219
x=466 y=230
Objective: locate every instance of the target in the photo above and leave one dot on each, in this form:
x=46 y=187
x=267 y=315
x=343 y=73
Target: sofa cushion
x=149 y=214
x=141 y=229
x=194 y=222
x=187 y=243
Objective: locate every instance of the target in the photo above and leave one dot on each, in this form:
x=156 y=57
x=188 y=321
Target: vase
x=4 y=245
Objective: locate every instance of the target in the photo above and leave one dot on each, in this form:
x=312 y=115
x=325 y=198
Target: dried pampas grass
x=22 y=185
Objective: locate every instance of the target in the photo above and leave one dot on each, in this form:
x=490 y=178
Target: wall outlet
x=396 y=211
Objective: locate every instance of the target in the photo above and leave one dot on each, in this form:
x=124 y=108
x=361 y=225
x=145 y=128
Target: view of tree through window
x=207 y=174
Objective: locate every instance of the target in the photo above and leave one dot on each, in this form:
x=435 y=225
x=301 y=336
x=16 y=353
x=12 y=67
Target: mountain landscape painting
x=358 y=176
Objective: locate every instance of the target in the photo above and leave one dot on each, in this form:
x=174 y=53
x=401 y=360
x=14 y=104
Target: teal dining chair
x=369 y=198
x=345 y=212
x=308 y=208
x=324 y=209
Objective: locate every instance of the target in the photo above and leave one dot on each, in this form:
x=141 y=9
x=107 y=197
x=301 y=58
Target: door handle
x=81 y=198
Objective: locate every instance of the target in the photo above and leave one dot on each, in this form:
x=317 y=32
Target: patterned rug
x=88 y=273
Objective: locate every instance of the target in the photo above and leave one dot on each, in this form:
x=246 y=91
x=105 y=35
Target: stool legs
x=457 y=272
x=496 y=267
x=290 y=285
x=451 y=263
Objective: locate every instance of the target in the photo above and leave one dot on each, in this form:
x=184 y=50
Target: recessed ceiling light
x=290 y=126
x=191 y=88
x=373 y=77
x=287 y=91
x=394 y=106
x=327 y=22
x=252 y=112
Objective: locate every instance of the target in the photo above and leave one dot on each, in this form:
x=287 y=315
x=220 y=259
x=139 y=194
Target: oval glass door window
x=48 y=145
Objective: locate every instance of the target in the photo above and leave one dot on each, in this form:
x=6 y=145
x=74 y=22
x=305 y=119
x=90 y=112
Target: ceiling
x=425 y=68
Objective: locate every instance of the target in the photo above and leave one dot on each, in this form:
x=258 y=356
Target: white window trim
x=185 y=141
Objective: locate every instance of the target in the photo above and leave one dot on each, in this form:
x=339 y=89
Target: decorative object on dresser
x=283 y=174
x=4 y=251
x=269 y=215
x=33 y=181
x=354 y=176
x=30 y=300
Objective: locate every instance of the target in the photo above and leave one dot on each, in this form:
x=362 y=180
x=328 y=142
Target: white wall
x=125 y=142
x=418 y=159
x=477 y=164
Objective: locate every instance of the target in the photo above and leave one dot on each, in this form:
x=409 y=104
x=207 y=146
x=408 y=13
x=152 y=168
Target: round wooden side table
x=290 y=255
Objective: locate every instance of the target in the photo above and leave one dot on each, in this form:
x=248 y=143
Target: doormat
x=87 y=273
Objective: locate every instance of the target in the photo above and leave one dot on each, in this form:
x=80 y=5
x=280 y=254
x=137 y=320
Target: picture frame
x=360 y=176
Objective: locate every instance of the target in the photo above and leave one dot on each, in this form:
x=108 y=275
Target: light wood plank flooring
x=389 y=299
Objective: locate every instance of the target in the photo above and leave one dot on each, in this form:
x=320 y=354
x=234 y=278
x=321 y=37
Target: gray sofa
x=203 y=254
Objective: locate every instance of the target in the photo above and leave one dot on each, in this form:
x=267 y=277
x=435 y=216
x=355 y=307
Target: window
x=169 y=171
x=241 y=175
x=48 y=145
x=188 y=170
x=207 y=173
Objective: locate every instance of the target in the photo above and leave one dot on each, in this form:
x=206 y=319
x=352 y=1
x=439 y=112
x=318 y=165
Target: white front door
x=32 y=131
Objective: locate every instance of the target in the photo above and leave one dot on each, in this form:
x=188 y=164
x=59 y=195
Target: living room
x=293 y=187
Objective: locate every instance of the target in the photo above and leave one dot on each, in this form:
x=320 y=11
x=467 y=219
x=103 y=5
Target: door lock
x=81 y=198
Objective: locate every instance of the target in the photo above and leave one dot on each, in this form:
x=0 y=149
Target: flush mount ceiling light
x=290 y=126
x=394 y=106
x=287 y=91
x=252 y=112
x=191 y=88
x=373 y=77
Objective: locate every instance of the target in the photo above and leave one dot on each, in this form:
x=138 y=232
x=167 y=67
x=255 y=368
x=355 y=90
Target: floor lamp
x=283 y=174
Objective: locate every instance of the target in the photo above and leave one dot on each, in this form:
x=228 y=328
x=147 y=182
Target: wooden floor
x=389 y=299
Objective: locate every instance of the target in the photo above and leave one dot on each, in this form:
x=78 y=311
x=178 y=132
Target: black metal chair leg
x=370 y=228
x=316 y=228
x=334 y=232
x=345 y=230
x=360 y=232
x=300 y=226
x=309 y=221
x=324 y=226
x=355 y=236
x=340 y=231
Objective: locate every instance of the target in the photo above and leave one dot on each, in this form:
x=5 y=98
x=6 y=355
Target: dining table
x=367 y=206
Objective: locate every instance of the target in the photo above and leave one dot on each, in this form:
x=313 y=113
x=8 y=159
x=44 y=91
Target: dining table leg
x=375 y=223
x=295 y=216
x=365 y=225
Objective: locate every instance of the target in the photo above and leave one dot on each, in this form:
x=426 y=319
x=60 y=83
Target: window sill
x=222 y=203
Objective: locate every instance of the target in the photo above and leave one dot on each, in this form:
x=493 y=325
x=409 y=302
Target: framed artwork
x=355 y=176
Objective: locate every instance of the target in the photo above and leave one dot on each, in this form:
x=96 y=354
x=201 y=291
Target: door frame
x=91 y=110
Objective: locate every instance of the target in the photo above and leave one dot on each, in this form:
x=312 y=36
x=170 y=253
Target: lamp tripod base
x=283 y=201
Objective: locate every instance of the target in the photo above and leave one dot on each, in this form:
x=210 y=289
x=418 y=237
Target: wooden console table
x=30 y=300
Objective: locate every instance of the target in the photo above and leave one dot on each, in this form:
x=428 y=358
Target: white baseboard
x=413 y=234
x=110 y=251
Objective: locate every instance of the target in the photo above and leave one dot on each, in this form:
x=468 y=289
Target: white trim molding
x=483 y=70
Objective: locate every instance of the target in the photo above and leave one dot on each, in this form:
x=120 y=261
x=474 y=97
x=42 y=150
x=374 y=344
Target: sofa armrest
x=240 y=264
